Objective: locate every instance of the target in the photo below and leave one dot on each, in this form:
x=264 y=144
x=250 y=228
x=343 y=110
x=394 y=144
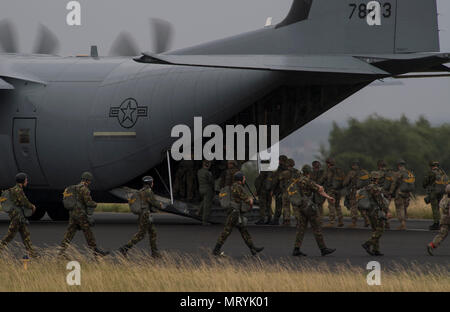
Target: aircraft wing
x=5 y=86
x=383 y=65
x=345 y=64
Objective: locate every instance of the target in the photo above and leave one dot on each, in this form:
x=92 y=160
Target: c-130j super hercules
x=113 y=116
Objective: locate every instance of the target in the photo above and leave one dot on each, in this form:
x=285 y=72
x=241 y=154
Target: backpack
x=408 y=182
x=388 y=178
x=225 y=197
x=441 y=182
x=364 y=200
x=6 y=202
x=70 y=197
x=135 y=202
x=338 y=179
x=363 y=179
x=294 y=195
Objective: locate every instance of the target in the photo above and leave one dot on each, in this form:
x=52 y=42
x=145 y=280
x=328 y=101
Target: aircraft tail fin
x=339 y=27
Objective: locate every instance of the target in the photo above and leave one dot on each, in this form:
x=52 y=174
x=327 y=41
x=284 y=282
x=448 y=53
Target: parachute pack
x=441 y=182
x=363 y=179
x=225 y=197
x=365 y=201
x=70 y=197
x=135 y=202
x=338 y=179
x=6 y=202
x=408 y=182
x=294 y=195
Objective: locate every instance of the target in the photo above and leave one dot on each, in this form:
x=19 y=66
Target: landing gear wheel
x=57 y=213
x=38 y=214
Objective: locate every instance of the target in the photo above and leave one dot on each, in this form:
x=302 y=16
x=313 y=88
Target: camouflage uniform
x=430 y=182
x=284 y=181
x=385 y=183
x=306 y=187
x=235 y=219
x=145 y=224
x=262 y=185
x=401 y=199
x=444 y=222
x=377 y=217
x=318 y=176
x=206 y=189
x=79 y=219
x=352 y=181
x=277 y=191
x=333 y=177
x=184 y=182
x=18 y=223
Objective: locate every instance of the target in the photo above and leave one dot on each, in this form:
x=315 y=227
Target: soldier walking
x=284 y=180
x=240 y=204
x=378 y=213
x=81 y=217
x=276 y=190
x=434 y=183
x=334 y=178
x=318 y=177
x=306 y=211
x=145 y=221
x=444 y=222
x=18 y=223
x=206 y=190
x=385 y=184
x=401 y=187
x=355 y=179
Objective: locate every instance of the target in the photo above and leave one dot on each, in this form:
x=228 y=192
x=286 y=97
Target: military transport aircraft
x=60 y=116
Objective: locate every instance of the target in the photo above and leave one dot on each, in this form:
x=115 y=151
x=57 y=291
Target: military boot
x=100 y=253
x=327 y=251
x=275 y=221
x=255 y=250
x=377 y=253
x=261 y=221
x=123 y=251
x=330 y=224
x=353 y=225
x=402 y=226
x=430 y=249
x=269 y=220
x=156 y=254
x=287 y=222
x=217 y=252
x=366 y=247
x=298 y=253
x=434 y=226
x=341 y=223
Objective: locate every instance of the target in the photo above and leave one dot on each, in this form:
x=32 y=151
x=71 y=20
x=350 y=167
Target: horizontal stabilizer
x=5 y=86
x=345 y=64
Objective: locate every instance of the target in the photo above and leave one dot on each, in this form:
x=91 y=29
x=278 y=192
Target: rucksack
x=388 y=178
x=408 y=182
x=294 y=195
x=135 y=202
x=363 y=199
x=71 y=198
x=6 y=202
x=225 y=197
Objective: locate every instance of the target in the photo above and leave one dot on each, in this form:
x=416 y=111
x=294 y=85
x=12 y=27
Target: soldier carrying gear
x=355 y=180
x=276 y=190
x=241 y=203
x=80 y=217
x=262 y=185
x=317 y=175
x=434 y=183
x=444 y=222
x=377 y=210
x=285 y=178
x=19 y=208
x=401 y=187
x=301 y=193
x=333 y=178
x=206 y=190
x=145 y=221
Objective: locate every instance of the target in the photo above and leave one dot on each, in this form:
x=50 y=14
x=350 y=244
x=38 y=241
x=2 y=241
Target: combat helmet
x=381 y=163
x=87 y=176
x=147 y=179
x=21 y=177
x=401 y=162
x=331 y=161
x=291 y=162
x=434 y=163
x=238 y=176
x=306 y=169
x=375 y=175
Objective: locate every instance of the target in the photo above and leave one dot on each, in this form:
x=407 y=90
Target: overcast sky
x=197 y=21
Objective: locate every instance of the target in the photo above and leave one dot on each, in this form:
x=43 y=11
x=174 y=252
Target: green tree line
x=376 y=138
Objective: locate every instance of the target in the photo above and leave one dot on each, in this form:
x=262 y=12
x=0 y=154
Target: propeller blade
x=8 y=37
x=46 y=42
x=162 y=35
x=124 y=45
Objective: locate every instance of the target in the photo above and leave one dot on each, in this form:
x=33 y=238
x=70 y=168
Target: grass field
x=180 y=273
x=417 y=209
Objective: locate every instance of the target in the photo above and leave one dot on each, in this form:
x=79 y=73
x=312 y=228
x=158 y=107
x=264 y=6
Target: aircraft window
x=24 y=136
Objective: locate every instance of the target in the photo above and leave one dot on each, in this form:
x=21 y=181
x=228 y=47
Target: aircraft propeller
x=125 y=44
x=46 y=42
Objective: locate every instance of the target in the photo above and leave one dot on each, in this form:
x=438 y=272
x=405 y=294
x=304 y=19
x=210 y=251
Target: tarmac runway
x=179 y=234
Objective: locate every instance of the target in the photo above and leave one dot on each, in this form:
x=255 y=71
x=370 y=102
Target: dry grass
x=180 y=273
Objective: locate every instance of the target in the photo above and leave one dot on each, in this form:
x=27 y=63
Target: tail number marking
x=372 y=11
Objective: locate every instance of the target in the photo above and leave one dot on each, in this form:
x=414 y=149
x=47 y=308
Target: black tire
x=38 y=214
x=57 y=213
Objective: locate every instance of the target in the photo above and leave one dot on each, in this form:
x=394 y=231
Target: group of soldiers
x=305 y=190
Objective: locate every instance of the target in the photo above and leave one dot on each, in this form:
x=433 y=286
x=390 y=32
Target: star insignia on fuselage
x=128 y=113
